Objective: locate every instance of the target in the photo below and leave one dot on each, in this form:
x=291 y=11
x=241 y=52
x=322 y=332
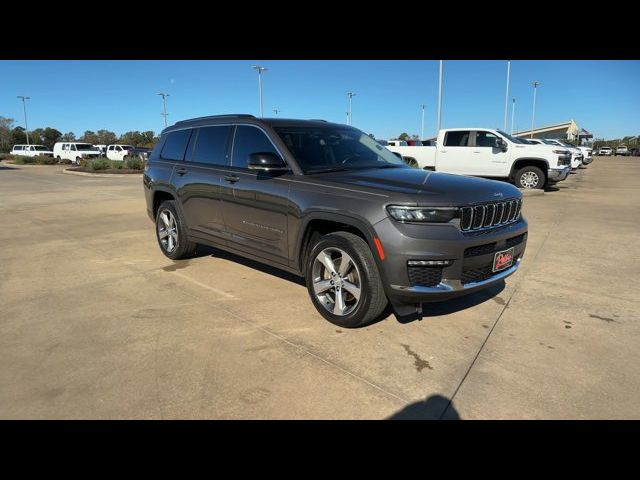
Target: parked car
x=587 y=155
x=140 y=152
x=414 y=143
x=334 y=207
x=74 y=151
x=118 y=152
x=31 y=151
x=622 y=150
x=605 y=151
x=102 y=148
x=397 y=143
x=635 y=152
x=576 y=153
x=491 y=153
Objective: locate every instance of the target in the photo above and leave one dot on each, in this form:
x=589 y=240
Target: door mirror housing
x=267 y=162
x=501 y=144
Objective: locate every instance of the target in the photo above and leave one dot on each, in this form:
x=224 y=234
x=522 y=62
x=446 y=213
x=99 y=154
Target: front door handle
x=231 y=178
x=181 y=171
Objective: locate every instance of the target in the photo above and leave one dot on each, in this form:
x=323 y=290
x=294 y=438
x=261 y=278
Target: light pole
x=260 y=69
x=506 y=95
x=24 y=107
x=422 y=124
x=350 y=118
x=276 y=111
x=347 y=117
x=439 y=98
x=164 y=107
x=533 y=113
x=513 y=113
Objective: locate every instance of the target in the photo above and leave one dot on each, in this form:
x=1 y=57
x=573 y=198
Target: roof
x=548 y=128
x=247 y=118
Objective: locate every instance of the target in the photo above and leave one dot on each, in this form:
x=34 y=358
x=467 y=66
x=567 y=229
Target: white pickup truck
x=118 y=152
x=486 y=152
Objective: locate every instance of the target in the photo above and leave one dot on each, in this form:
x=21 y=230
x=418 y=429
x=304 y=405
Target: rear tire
x=358 y=288
x=530 y=177
x=171 y=232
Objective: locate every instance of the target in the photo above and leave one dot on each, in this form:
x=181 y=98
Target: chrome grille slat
x=481 y=217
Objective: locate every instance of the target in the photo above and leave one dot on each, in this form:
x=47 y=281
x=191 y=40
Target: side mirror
x=501 y=144
x=267 y=162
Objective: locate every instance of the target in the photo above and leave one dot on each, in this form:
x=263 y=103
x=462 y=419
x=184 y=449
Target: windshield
x=85 y=146
x=551 y=142
x=511 y=138
x=41 y=148
x=326 y=149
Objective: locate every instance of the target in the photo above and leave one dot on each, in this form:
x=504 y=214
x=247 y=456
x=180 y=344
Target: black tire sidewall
x=355 y=318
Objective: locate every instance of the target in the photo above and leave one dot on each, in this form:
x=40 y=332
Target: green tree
x=18 y=136
x=68 y=137
x=35 y=136
x=6 y=124
x=89 y=137
x=50 y=136
x=404 y=136
x=106 y=137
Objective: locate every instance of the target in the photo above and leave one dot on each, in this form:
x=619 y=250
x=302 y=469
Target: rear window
x=457 y=139
x=176 y=145
x=211 y=145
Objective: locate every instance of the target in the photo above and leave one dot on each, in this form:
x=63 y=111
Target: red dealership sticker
x=503 y=259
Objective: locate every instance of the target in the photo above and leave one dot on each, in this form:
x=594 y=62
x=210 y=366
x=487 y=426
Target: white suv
x=118 y=152
x=31 y=150
x=622 y=150
x=605 y=151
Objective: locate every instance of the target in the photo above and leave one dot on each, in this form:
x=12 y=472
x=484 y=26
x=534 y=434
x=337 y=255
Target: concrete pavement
x=96 y=323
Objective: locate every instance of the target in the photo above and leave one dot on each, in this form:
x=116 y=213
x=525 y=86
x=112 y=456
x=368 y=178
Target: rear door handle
x=231 y=178
x=182 y=171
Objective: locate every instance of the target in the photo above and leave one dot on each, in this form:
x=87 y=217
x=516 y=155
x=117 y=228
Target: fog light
x=429 y=263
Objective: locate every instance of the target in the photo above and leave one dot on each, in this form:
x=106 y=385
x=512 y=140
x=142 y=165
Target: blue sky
x=602 y=96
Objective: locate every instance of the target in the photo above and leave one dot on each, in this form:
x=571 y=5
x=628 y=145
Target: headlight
x=559 y=152
x=422 y=214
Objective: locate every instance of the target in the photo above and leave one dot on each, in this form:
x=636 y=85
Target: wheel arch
x=322 y=223
x=541 y=163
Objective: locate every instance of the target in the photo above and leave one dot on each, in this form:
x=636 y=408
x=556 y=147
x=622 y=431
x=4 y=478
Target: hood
x=540 y=149
x=424 y=187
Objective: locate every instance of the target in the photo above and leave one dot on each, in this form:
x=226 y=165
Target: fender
x=350 y=219
x=537 y=159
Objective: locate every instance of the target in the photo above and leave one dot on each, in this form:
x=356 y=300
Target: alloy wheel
x=336 y=281
x=167 y=231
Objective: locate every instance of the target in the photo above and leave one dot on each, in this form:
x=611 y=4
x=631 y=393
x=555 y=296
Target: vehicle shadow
x=435 y=407
x=7 y=167
x=205 y=250
x=447 y=307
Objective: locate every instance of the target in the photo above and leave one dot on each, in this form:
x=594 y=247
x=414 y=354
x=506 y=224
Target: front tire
x=530 y=177
x=343 y=280
x=171 y=232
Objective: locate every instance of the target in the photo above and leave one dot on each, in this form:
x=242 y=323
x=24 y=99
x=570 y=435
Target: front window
x=325 y=149
x=485 y=139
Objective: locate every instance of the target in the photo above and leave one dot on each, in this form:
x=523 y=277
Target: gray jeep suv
x=329 y=203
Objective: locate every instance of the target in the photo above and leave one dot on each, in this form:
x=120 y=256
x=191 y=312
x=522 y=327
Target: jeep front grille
x=490 y=215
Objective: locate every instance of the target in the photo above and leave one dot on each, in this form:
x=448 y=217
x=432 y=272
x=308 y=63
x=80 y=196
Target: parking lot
x=96 y=323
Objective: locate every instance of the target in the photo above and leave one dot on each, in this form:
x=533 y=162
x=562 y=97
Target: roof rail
x=231 y=115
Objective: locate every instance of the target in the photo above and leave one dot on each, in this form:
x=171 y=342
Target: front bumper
x=472 y=256
x=558 y=174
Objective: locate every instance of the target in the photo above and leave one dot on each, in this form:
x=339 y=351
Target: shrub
x=135 y=163
x=65 y=161
x=44 y=160
x=23 y=160
x=99 y=164
x=117 y=165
